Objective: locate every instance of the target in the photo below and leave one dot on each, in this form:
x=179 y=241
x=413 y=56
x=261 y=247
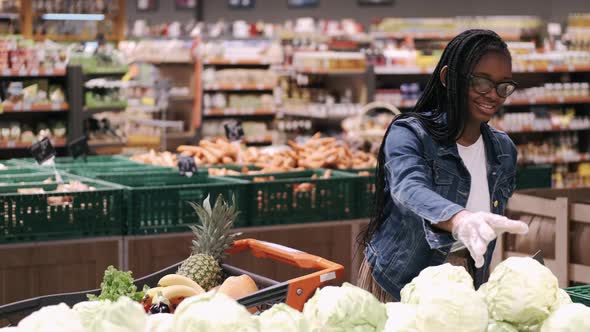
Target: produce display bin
x=296 y=197
x=158 y=202
x=294 y=292
x=537 y=176
x=365 y=190
x=113 y=171
x=80 y=160
x=53 y=215
x=580 y=294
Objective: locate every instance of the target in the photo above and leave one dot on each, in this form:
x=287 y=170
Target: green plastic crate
x=365 y=190
x=281 y=201
x=39 y=217
x=78 y=161
x=158 y=202
x=580 y=294
x=113 y=171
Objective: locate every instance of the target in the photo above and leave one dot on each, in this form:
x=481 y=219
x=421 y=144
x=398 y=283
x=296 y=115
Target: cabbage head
x=434 y=277
x=401 y=317
x=445 y=309
x=520 y=291
x=347 y=309
x=563 y=298
x=282 y=318
x=52 y=318
x=160 y=323
x=494 y=326
x=573 y=317
x=213 y=311
x=124 y=315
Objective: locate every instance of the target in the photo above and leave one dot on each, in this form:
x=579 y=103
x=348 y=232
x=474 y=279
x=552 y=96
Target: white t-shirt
x=474 y=158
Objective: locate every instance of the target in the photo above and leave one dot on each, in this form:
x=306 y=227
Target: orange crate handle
x=301 y=288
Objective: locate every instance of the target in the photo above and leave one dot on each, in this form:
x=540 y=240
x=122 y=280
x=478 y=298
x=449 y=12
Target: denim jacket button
x=496 y=203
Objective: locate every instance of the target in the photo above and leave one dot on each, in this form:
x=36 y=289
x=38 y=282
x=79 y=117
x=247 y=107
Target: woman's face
x=495 y=67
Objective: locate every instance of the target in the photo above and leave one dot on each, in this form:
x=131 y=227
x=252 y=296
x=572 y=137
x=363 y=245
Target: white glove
x=477 y=230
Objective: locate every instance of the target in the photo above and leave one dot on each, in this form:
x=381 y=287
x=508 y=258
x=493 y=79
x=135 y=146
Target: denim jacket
x=427 y=183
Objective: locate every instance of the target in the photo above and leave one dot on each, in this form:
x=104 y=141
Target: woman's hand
x=477 y=229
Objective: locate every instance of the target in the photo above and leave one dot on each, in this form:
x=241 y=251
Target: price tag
x=571 y=68
x=531 y=68
x=234 y=130
x=550 y=68
x=35 y=72
x=238 y=87
x=5 y=72
x=27 y=107
x=260 y=86
x=560 y=99
x=55 y=106
x=11 y=144
x=79 y=148
x=22 y=71
x=43 y=150
x=233 y=61
x=532 y=101
x=187 y=166
x=49 y=71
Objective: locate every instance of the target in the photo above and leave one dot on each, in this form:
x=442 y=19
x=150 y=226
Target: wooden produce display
x=559 y=222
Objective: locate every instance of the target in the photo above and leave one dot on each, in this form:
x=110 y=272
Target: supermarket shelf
x=433 y=35
x=221 y=112
x=403 y=70
x=519 y=102
x=95 y=110
x=552 y=69
x=104 y=74
x=548 y=101
x=23 y=108
x=179 y=125
x=579 y=159
x=239 y=87
x=556 y=130
x=167 y=62
x=316 y=71
x=237 y=62
x=11 y=145
x=70 y=38
x=11 y=73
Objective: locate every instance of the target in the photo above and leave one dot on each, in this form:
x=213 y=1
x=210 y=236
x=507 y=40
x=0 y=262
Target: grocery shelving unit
x=32 y=114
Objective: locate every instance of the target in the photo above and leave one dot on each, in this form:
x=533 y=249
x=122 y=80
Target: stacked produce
x=317 y=152
x=521 y=295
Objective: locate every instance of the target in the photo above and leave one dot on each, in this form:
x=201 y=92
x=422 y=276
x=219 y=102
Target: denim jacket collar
x=493 y=149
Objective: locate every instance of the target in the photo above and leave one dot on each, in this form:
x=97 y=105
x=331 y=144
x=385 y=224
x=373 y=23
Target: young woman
x=444 y=175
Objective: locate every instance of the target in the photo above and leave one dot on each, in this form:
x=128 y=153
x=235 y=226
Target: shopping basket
x=294 y=292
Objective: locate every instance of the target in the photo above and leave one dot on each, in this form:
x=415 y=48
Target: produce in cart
x=212 y=238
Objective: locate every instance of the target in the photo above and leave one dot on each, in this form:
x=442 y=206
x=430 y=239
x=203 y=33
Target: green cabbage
x=520 y=291
x=563 y=298
x=52 y=318
x=401 y=317
x=347 y=308
x=573 y=317
x=160 y=323
x=282 y=318
x=451 y=307
x=213 y=311
x=434 y=277
x=494 y=326
x=124 y=315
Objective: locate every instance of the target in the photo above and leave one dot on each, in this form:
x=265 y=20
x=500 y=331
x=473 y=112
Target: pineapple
x=212 y=238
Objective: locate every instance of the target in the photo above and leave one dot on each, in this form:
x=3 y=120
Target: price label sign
x=42 y=151
x=234 y=130
x=187 y=166
x=79 y=148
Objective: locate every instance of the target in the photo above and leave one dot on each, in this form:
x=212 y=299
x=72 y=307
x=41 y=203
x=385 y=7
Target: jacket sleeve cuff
x=436 y=238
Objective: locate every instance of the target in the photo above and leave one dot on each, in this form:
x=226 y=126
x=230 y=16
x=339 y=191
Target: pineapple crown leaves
x=213 y=234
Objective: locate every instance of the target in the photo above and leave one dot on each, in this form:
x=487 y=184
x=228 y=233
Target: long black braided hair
x=461 y=55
